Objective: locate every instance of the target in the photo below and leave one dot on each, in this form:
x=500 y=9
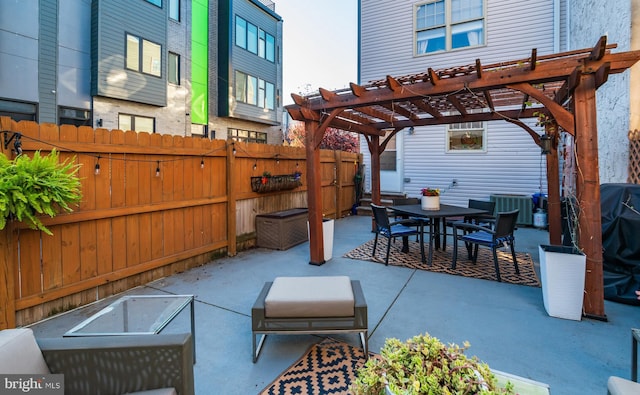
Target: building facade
x=145 y=65
x=477 y=160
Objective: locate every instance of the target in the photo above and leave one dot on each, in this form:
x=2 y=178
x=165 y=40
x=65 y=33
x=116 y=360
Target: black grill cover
x=620 y=205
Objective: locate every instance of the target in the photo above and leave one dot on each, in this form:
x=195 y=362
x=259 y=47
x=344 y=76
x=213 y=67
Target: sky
x=319 y=45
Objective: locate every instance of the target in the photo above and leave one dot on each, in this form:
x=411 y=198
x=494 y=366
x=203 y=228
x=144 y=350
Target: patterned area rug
x=328 y=367
x=483 y=269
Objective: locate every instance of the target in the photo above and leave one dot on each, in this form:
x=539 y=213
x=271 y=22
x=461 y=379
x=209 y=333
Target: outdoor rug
x=327 y=367
x=441 y=262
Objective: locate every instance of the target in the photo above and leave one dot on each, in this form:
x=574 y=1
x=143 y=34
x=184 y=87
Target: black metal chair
x=391 y=230
x=418 y=223
x=474 y=235
x=486 y=220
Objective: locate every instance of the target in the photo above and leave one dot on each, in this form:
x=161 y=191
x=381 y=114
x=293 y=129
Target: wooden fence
x=160 y=204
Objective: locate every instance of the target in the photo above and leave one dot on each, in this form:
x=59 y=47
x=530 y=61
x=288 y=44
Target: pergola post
x=374 y=148
x=553 y=187
x=588 y=194
x=314 y=195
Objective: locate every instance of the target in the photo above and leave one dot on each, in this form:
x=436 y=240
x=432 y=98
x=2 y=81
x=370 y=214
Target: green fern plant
x=30 y=187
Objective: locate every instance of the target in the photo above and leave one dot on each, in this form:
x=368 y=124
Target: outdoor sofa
x=103 y=365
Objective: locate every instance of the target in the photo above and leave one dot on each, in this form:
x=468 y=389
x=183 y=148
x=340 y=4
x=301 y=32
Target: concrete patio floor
x=506 y=324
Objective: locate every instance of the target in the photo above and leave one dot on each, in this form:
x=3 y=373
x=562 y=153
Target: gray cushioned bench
x=309 y=305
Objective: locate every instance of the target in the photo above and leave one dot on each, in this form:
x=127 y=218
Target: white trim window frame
x=254 y=91
x=446 y=25
x=466 y=138
x=138 y=123
x=142 y=55
x=174 y=10
x=173 y=68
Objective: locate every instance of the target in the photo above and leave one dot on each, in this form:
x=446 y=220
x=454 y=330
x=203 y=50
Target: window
x=252 y=90
x=241 y=87
x=467 y=137
x=255 y=40
x=155 y=2
x=247 y=136
x=174 y=10
x=252 y=38
x=241 y=32
x=261 y=92
x=174 y=68
x=270 y=96
x=266 y=46
x=270 y=51
x=262 y=43
x=144 y=58
x=388 y=157
x=18 y=111
x=443 y=25
x=74 y=116
x=137 y=123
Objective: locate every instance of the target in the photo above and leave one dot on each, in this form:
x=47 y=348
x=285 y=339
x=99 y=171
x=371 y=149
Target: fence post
x=339 y=190
x=231 y=200
x=7 y=290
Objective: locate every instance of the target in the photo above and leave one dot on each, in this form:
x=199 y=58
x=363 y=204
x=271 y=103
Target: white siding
x=514 y=28
x=512 y=163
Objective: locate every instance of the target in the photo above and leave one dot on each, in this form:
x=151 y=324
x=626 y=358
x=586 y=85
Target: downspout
x=634 y=71
x=359 y=38
x=556 y=26
x=568 y=27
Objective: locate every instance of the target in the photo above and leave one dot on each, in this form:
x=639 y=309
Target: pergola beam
x=545 y=72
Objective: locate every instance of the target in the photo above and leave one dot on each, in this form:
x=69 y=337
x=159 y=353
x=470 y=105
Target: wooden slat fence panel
x=133 y=226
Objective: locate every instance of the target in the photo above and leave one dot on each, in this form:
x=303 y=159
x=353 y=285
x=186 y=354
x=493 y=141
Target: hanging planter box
x=276 y=183
x=562 y=272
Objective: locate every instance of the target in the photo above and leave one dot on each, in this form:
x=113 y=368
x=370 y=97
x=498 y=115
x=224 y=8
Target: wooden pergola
x=561 y=86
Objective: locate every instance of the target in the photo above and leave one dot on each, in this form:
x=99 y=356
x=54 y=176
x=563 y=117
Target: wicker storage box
x=283 y=229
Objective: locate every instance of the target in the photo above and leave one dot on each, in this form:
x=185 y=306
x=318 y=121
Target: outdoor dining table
x=435 y=217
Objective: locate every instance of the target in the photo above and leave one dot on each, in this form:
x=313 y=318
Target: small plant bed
x=424 y=365
x=269 y=183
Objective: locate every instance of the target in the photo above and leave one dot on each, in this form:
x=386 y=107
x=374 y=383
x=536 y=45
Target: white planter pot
x=562 y=272
x=521 y=385
x=327 y=237
x=430 y=202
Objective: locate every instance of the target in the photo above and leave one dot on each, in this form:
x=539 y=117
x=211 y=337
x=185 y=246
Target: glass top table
x=136 y=315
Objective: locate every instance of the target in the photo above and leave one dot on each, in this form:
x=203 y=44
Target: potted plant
x=430 y=198
x=424 y=365
x=265 y=177
x=30 y=187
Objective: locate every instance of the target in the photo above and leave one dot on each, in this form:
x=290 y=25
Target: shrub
x=424 y=365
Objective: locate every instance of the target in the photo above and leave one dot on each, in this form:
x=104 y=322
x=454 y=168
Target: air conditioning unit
x=524 y=203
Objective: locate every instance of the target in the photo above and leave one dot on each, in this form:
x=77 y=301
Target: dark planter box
x=283 y=229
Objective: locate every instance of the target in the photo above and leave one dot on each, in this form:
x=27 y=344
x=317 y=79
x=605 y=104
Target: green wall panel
x=199 y=61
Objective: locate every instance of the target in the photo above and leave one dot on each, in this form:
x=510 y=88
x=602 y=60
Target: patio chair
x=391 y=230
x=474 y=235
x=486 y=220
x=162 y=364
x=418 y=223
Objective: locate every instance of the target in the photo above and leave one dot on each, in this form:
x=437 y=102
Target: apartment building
x=183 y=67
